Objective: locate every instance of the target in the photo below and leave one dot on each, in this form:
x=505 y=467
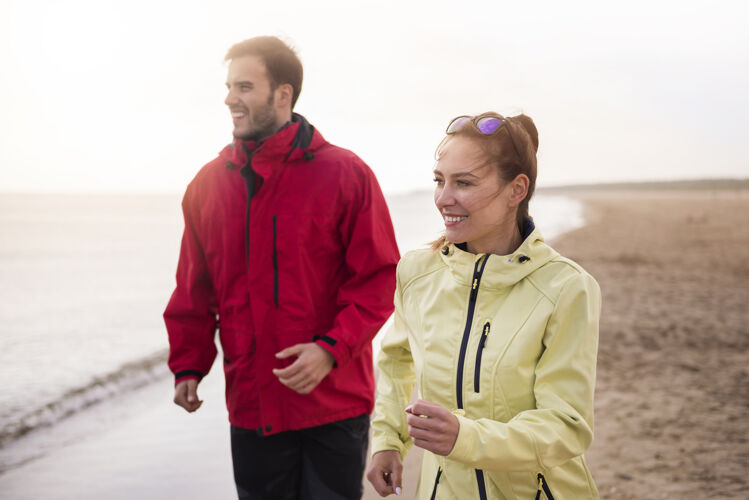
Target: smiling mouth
x=449 y=218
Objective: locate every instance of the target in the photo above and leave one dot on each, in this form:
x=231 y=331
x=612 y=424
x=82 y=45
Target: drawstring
x=543 y=486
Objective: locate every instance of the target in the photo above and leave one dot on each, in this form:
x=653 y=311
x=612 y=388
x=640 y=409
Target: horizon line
x=701 y=183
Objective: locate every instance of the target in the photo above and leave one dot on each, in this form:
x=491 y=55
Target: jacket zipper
x=478 y=270
x=275 y=263
x=482 y=485
x=249 y=178
x=482 y=344
x=542 y=485
x=436 y=482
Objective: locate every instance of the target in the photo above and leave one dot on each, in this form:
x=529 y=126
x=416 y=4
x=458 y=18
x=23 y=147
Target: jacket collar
x=293 y=141
x=500 y=271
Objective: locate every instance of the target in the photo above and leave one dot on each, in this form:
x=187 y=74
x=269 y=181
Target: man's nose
x=230 y=98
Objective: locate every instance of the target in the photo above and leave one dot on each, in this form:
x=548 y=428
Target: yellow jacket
x=508 y=344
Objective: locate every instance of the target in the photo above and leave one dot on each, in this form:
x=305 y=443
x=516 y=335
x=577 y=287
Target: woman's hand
x=432 y=427
x=385 y=472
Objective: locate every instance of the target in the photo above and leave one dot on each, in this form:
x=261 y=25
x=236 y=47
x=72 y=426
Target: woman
x=499 y=331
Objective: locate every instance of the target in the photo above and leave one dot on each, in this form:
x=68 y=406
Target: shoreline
x=130 y=376
x=670 y=265
x=54 y=454
x=415 y=225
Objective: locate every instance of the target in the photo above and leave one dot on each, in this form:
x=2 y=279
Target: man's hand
x=186 y=395
x=312 y=364
x=432 y=427
x=386 y=472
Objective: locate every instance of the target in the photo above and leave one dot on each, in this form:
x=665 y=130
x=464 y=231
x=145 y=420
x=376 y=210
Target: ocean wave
x=127 y=377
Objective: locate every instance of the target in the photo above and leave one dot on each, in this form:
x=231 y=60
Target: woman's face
x=471 y=197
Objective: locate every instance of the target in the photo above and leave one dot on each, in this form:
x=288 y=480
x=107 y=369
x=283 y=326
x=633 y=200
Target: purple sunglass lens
x=489 y=124
x=457 y=123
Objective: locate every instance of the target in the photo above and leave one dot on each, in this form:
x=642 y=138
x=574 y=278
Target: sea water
x=84 y=281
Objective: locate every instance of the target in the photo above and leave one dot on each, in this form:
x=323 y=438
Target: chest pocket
x=505 y=356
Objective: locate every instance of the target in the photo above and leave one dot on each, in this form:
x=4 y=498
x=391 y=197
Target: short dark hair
x=281 y=62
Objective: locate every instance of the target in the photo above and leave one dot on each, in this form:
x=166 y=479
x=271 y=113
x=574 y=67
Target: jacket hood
x=298 y=139
x=501 y=271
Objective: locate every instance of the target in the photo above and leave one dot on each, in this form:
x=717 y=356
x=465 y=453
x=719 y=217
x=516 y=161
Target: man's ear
x=518 y=189
x=284 y=94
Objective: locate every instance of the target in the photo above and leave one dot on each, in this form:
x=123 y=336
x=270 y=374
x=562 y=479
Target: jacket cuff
x=340 y=351
x=187 y=374
x=463 y=449
x=379 y=445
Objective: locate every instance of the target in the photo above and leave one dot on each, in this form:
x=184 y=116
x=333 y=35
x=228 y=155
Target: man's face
x=251 y=99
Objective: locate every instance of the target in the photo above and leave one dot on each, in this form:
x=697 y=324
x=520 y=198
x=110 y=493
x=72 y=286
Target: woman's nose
x=443 y=197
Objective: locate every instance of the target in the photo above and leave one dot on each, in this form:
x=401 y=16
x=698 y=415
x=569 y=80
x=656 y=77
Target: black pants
x=319 y=463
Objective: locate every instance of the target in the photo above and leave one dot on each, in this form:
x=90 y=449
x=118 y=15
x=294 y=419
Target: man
x=289 y=245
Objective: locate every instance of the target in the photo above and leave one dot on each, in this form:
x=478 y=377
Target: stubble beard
x=263 y=123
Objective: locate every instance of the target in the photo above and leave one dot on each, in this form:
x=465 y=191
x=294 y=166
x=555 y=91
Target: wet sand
x=672 y=395
x=672 y=398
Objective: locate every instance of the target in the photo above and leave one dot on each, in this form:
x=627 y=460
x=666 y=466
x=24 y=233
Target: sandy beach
x=672 y=397
x=671 y=404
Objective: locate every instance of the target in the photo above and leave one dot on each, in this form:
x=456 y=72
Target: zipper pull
x=474 y=290
x=543 y=486
x=478 y=269
x=485 y=335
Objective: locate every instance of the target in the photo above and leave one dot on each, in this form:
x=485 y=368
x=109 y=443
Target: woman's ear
x=518 y=189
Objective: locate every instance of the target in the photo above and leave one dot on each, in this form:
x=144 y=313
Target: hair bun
x=529 y=127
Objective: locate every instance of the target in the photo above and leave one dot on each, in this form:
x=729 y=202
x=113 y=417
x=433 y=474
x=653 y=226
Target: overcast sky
x=97 y=95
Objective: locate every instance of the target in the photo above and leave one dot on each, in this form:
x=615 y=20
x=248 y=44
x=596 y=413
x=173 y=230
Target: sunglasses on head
x=487 y=125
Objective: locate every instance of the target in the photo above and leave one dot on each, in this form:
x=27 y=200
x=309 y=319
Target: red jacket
x=312 y=257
